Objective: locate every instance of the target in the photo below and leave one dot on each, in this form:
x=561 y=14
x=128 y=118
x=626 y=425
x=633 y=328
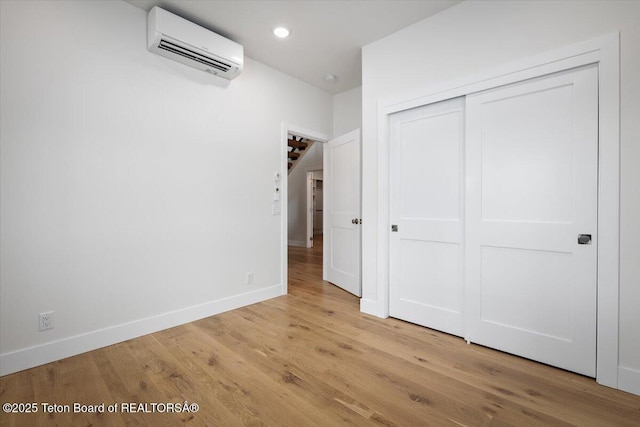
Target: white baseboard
x=370 y=306
x=299 y=243
x=629 y=380
x=49 y=352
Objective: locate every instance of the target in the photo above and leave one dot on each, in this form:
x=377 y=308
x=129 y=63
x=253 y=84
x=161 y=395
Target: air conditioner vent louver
x=195 y=56
x=176 y=38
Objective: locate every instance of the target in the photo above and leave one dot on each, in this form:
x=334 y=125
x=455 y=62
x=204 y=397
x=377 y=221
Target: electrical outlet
x=249 y=277
x=46 y=320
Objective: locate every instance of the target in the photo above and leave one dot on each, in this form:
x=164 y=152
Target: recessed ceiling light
x=281 y=32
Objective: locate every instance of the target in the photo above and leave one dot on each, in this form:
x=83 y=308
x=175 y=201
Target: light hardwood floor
x=311 y=358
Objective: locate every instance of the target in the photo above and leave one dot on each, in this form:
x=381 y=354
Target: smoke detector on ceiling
x=330 y=78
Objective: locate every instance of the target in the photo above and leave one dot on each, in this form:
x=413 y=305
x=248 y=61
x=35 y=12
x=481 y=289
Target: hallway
x=305 y=264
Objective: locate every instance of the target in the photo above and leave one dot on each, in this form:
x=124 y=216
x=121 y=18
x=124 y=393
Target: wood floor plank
x=311 y=358
x=334 y=361
x=304 y=391
x=14 y=390
x=172 y=374
x=502 y=384
x=438 y=389
x=129 y=383
x=237 y=382
x=497 y=365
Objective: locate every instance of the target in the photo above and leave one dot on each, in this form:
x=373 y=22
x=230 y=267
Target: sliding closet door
x=531 y=215
x=426 y=213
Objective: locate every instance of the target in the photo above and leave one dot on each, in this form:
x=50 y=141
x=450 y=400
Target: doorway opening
x=304 y=209
x=339 y=161
x=304 y=183
x=302 y=155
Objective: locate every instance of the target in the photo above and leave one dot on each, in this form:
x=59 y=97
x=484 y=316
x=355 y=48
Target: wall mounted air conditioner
x=183 y=41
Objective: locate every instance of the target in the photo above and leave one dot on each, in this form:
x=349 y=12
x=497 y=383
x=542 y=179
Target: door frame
x=310 y=212
x=603 y=51
x=287 y=129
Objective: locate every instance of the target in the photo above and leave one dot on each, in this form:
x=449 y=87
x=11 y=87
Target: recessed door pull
x=394 y=228
x=584 y=239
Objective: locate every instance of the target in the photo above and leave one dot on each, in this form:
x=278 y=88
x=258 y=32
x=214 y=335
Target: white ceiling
x=326 y=36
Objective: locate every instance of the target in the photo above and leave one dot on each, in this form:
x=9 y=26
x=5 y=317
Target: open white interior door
x=341 y=257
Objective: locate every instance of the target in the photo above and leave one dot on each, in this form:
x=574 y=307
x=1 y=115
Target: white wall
x=135 y=191
x=347 y=111
x=476 y=36
x=297 y=194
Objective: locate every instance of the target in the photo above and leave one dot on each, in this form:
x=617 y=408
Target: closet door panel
x=426 y=208
x=531 y=172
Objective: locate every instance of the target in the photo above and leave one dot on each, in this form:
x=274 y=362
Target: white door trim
x=604 y=51
x=309 y=210
x=287 y=129
x=310 y=213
